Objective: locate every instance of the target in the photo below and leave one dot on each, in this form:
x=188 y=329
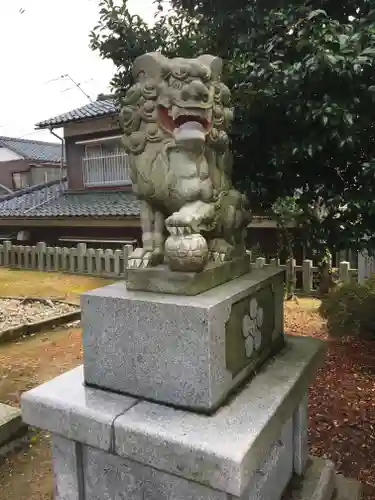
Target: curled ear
x=149 y=64
x=214 y=63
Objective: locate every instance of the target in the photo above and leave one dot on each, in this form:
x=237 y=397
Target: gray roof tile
x=51 y=200
x=33 y=150
x=97 y=109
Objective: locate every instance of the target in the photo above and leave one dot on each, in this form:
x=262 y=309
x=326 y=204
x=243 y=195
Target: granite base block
x=190 y=352
x=301 y=446
x=67 y=469
x=11 y=425
x=234 y=451
x=347 y=488
x=64 y=406
x=161 y=279
x=86 y=473
x=318 y=482
x=107 y=476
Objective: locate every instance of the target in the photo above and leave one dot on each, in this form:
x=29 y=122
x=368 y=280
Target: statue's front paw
x=192 y=218
x=220 y=250
x=142 y=258
x=179 y=225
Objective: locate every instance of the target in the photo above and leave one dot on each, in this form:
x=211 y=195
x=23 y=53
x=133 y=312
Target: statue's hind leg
x=152 y=251
x=228 y=241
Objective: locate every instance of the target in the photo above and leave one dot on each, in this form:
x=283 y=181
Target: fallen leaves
x=341 y=399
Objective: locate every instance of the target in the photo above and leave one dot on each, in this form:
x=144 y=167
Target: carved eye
x=181 y=72
x=176 y=84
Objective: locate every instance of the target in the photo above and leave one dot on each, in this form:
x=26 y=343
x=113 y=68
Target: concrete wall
x=38 y=174
x=7 y=168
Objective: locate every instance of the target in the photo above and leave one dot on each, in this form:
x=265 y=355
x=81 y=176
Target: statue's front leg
x=152 y=251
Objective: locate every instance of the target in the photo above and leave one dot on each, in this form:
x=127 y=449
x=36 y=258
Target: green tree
x=303 y=88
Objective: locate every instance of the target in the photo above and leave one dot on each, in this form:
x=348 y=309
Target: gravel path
x=15 y=312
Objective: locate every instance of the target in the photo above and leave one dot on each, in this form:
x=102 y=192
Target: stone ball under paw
x=188 y=253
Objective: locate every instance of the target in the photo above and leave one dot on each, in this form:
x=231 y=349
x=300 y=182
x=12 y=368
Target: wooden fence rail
x=112 y=263
x=306 y=276
x=77 y=260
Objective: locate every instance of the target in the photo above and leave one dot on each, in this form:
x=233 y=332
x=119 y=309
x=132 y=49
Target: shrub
x=350 y=310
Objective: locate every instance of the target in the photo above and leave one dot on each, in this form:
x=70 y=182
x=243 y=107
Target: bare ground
x=342 y=403
x=30 y=362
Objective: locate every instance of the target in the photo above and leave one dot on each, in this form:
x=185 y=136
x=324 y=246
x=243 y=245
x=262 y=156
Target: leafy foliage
x=350 y=310
x=303 y=90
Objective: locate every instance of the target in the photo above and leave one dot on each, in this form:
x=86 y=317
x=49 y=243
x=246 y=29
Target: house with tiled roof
x=94 y=202
x=25 y=162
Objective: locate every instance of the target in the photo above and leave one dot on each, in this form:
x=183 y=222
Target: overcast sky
x=49 y=39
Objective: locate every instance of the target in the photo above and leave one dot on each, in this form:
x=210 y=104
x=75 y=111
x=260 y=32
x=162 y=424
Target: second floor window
x=105 y=164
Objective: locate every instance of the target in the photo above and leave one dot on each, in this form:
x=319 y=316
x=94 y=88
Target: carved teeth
x=176 y=112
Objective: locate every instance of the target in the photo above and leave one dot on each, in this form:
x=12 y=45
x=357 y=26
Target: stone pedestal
x=188 y=351
x=110 y=446
x=119 y=429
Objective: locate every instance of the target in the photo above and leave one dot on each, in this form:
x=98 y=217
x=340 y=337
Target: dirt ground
x=342 y=402
x=30 y=362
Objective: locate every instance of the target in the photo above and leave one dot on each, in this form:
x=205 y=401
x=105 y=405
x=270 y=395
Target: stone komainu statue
x=175 y=121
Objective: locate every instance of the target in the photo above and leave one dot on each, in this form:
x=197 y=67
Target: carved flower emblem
x=251 y=327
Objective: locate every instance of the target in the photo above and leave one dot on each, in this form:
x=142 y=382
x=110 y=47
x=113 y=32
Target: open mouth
x=172 y=119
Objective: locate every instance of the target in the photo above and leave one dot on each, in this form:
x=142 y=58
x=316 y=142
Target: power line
x=76 y=84
x=71 y=88
x=31 y=133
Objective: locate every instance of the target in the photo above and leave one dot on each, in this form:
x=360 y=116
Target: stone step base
x=11 y=424
x=320 y=482
x=347 y=488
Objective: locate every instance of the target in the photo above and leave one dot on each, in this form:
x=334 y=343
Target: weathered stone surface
x=300 y=437
x=67 y=408
x=225 y=449
x=318 y=482
x=175 y=120
x=270 y=480
x=233 y=451
x=161 y=280
x=186 y=351
x=67 y=469
x=347 y=488
x=110 y=477
x=11 y=425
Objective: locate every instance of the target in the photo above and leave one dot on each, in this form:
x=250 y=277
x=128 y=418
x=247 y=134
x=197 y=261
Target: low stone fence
x=77 y=260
